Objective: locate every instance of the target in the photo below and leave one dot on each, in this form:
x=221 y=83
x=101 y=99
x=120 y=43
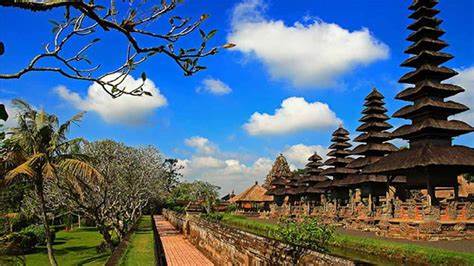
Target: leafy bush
x=231 y=208
x=256 y=227
x=38 y=232
x=303 y=236
x=308 y=233
x=178 y=209
x=212 y=217
x=18 y=243
x=14 y=222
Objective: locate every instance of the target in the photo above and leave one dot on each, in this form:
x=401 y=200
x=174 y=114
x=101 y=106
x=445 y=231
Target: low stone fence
x=225 y=245
x=453 y=221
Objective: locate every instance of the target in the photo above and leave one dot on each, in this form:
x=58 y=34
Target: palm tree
x=41 y=151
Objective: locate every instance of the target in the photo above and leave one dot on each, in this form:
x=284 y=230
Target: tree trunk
x=44 y=217
x=107 y=237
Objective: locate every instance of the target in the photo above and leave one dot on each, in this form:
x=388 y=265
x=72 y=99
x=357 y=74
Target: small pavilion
x=253 y=200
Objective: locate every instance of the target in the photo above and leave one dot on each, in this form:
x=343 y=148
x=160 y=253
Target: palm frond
x=22 y=105
x=69 y=146
x=49 y=171
x=64 y=128
x=23 y=169
x=42 y=120
x=80 y=169
x=26 y=168
x=77 y=185
x=78 y=156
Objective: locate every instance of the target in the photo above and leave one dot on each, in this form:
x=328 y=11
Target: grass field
x=377 y=250
x=140 y=251
x=77 y=247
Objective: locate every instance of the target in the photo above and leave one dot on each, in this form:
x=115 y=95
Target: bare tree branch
x=83 y=19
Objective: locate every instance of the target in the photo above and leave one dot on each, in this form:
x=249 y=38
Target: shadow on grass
x=98 y=257
x=143 y=232
x=63 y=251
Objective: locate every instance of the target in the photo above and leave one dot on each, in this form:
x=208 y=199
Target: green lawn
x=77 y=247
x=140 y=251
x=354 y=246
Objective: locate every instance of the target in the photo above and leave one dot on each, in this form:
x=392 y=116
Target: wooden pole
x=456 y=190
x=370 y=201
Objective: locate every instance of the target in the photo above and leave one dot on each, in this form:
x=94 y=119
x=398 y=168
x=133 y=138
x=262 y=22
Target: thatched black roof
x=374 y=134
x=340 y=152
x=356 y=180
x=459 y=158
x=278 y=181
x=276 y=191
x=430 y=133
x=312 y=176
x=373 y=138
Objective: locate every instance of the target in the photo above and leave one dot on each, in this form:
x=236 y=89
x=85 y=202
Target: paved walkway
x=178 y=250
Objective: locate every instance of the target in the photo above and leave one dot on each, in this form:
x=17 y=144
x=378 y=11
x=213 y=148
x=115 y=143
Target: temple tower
x=277 y=180
x=374 y=147
x=312 y=176
x=431 y=159
x=337 y=167
x=280 y=169
x=374 y=134
x=339 y=153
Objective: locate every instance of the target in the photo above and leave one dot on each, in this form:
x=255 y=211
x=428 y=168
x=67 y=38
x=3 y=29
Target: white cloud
x=224 y=169
x=214 y=86
x=129 y=110
x=202 y=145
x=12 y=115
x=295 y=114
x=465 y=79
x=228 y=171
x=229 y=174
x=297 y=155
x=313 y=54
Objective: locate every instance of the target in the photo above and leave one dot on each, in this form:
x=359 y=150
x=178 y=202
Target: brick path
x=178 y=250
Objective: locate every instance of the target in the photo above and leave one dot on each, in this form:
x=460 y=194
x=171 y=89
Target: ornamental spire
x=340 y=152
x=374 y=132
x=429 y=112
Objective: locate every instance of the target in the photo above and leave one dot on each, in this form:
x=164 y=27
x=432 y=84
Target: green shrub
x=39 y=232
x=307 y=233
x=231 y=208
x=18 y=243
x=178 y=208
x=212 y=217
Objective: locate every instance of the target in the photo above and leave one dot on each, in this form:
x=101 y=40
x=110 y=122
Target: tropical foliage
x=39 y=150
x=47 y=177
x=303 y=235
x=196 y=191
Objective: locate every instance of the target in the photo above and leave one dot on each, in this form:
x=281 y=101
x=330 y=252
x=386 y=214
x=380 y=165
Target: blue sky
x=317 y=58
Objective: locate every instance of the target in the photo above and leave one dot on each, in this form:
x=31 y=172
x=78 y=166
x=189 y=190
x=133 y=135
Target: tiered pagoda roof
x=293 y=187
x=374 y=132
x=312 y=176
x=374 y=136
x=430 y=133
x=278 y=177
x=339 y=153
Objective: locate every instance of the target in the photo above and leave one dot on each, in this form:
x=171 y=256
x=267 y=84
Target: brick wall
x=228 y=246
